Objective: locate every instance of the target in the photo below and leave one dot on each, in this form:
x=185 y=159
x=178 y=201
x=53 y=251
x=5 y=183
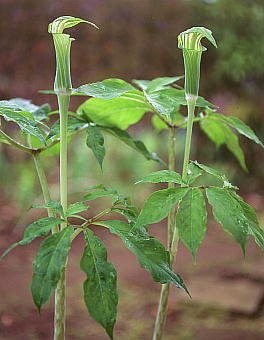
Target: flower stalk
x=190 y=42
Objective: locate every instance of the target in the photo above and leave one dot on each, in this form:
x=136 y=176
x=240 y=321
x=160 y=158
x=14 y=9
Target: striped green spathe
x=62 y=43
x=190 y=42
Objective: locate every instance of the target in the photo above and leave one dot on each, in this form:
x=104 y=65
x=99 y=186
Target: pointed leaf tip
x=191 y=38
x=66 y=21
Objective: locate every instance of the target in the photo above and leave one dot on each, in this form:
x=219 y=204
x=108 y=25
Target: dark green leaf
x=106 y=89
x=118 y=112
x=134 y=144
x=100 y=294
x=38 y=112
x=162 y=176
x=159 y=204
x=150 y=253
x=97 y=194
x=95 y=141
x=191 y=219
x=11 y=112
x=36 y=229
x=228 y=212
x=193 y=172
x=47 y=266
x=75 y=208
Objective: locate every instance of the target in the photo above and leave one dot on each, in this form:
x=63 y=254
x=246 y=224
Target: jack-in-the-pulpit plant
x=183 y=203
x=59 y=229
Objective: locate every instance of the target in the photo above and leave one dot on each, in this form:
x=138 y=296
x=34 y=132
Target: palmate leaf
x=106 y=89
x=95 y=141
x=150 y=253
x=166 y=176
x=47 y=266
x=118 y=112
x=24 y=119
x=100 y=294
x=159 y=204
x=191 y=219
x=36 y=229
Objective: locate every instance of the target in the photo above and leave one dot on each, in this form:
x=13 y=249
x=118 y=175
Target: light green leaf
x=150 y=253
x=100 y=292
x=162 y=176
x=95 y=141
x=228 y=212
x=137 y=145
x=159 y=83
x=58 y=25
x=36 y=229
x=24 y=119
x=213 y=128
x=118 y=112
x=191 y=219
x=158 y=123
x=159 y=204
x=75 y=208
x=97 y=194
x=47 y=266
x=106 y=89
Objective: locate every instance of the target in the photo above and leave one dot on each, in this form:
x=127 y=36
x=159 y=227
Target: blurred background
x=137 y=40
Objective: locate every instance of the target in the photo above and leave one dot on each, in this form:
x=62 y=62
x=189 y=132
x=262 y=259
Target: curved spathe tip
x=59 y=24
x=191 y=38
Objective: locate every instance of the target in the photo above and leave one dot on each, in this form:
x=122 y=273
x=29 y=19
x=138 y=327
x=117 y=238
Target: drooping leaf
x=106 y=89
x=191 y=219
x=150 y=253
x=215 y=173
x=162 y=176
x=137 y=145
x=254 y=228
x=100 y=294
x=118 y=112
x=47 y=266
x=228 y=212
x=159 y=204
x=36 y=229
x=54 y=205
x=24 y=119
x=213 y=128
x=95 y=141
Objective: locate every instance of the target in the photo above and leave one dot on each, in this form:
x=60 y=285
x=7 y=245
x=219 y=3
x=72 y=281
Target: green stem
x=60 y=301
x=19 y=146
x=164 y=294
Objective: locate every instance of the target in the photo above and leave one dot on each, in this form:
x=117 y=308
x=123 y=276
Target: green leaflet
x=47 y=266
x=215 y=173
x=159 y=83
x=100 y=292
x=54 y=205
x=239 y=125
x=95 y=141
x=97 y=194
x=137 y=145
x=24 y=119
x=106 y=89
x=162 y=176
x=167 y=101
x=228 y=212
x=220 y=134
x=193 y=172
x=150 y=253
x=118 y=112
x=75 y=208
x=158 y=205
x=36 y=229
x=191 y=219
x=73 y=124
x=38 y=112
